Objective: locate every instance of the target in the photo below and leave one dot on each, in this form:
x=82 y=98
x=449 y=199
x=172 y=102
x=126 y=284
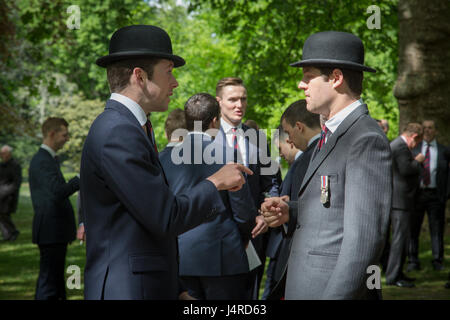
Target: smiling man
x=341 y=214
x=132 y=219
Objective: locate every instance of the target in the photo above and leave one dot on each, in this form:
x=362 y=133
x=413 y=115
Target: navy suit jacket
x=54 y=219
x=216 y=247
x=132 y=218
x=259 y=184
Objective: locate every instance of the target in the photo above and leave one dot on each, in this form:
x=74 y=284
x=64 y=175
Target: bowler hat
x=334 y=49
x=140 y=41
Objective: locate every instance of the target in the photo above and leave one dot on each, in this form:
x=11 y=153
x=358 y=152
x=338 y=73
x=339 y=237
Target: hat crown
x=334 y=45
x=140 y=38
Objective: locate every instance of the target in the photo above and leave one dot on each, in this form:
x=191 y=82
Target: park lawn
x=19 y=264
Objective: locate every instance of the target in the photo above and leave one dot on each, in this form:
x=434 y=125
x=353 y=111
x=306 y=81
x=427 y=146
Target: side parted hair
x=229 y=81
x=354 y=78
x=175 y=120
x=297 y=112
x=119 y=73
x=53 y=124
x=201 y=107
x=412 y=128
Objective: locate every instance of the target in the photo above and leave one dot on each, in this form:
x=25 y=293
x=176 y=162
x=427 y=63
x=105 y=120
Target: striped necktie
x=323 y=136
x=235 y=145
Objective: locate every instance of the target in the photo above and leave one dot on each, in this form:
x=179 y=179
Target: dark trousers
x=51 y=284
x=428 y=201
x=399 y=244
x=7 y=227
x=233 y=287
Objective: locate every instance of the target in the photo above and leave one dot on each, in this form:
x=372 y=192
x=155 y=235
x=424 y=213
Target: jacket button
x=298 y=226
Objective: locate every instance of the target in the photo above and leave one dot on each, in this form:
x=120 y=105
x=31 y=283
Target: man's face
x=295 y=136
x=60 y=137
x=318 y=91
x=233 y=103
x=429 y=131
x=414 y=140
x=5 y=155
x=158 y=90
x=284 y=148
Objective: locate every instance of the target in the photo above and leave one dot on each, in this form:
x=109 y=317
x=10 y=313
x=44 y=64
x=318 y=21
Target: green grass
x=19 y=264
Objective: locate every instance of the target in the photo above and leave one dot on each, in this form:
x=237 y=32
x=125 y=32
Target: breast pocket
x=322 y=260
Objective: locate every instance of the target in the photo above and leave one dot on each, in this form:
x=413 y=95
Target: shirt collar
x=317 y=136
x=433 y=143
x=298 y=154
x=333 y=123
x=50 y=150
x=131 y=105
x=227 y=127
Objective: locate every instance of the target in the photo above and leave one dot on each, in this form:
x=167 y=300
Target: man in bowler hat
x=132 y=219
x=340 y=217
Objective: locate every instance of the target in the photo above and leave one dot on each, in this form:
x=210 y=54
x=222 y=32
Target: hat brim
x=106 y=60
x=332 y=63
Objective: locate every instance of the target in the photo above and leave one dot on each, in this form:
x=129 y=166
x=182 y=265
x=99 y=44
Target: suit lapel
x=115 y=105
x=318 y=158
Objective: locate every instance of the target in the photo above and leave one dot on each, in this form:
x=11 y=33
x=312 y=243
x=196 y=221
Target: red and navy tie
x=150 y=133
x=235 y=145
x=323 y=135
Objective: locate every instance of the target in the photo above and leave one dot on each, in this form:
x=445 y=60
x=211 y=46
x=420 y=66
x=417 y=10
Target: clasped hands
x=275 y=211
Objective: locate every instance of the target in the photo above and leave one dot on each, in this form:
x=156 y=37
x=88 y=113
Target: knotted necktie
x=148 y=126
x=323 y=135
x=235 y=145
x=426 y=175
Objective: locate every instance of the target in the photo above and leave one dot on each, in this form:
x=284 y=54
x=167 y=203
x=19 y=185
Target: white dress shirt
x=333 y=123
x=131 y=105
x=50 y=150
x=227 y=128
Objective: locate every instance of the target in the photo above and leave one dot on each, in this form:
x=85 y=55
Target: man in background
x=431 y=197
x=406 y=171
x=54 y=220
x=10 y=180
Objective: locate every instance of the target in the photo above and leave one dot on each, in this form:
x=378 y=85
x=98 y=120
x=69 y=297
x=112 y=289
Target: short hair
x=6 y=148
x=119 y=73
x=297 y=112
x=53 y=124
x=412 y=128
x=229 y=81
x=353 y=78
x=201 y=107
x=175 y=120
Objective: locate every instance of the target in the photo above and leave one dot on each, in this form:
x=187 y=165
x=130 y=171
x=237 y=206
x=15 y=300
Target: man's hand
x=261 y=226
x=420 y=158
x=230 y=177
x=275 y=211
x=81 y=234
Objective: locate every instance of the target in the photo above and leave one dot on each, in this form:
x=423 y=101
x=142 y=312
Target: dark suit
x=290 y=186
x=431 y=200
x=406 y=171
x=212 y=253
x=132 y=219
x=10 y=180
x=260 y=185
x=53 y=222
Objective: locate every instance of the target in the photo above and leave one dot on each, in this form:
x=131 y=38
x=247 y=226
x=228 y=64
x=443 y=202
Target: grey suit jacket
x=406 y=173
x=334 y=244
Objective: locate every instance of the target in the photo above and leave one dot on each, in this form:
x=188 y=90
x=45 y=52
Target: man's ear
x=337 y=77
x=218 y=99
x=300 y=126
x=139 y=75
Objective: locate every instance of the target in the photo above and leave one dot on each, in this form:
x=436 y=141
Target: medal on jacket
x=324 y=189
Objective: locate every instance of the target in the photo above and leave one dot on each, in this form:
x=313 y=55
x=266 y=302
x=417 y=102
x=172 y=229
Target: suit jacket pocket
x=321 y=259
x=147 y=262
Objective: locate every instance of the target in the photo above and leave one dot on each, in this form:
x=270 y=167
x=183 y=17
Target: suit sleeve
x=131 y=173
x=406 y=165
x=51 y=176
x=368 y=196
x=243 y=211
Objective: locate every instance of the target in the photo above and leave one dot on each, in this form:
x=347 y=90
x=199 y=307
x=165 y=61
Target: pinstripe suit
x=333 y=244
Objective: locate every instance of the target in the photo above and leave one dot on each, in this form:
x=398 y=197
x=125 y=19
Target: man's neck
x=49 y=144
x=340 y=103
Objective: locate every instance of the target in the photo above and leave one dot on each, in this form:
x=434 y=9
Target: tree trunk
x=423 y=84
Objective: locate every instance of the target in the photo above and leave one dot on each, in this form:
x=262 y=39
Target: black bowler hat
x=334 y=49
x=140 y=41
